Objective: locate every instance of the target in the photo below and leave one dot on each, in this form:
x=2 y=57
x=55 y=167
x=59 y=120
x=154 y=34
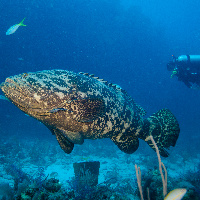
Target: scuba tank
x=187 y=60
x=193 y=59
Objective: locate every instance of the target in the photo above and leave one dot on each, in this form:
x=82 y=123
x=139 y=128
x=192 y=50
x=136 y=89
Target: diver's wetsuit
x=188 y=73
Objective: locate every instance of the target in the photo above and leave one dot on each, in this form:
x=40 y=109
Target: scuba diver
x=187 y=69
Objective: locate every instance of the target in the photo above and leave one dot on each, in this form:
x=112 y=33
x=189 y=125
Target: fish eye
x=24 y=75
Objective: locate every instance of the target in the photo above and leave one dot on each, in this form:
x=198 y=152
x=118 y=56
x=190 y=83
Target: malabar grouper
x=78 y=106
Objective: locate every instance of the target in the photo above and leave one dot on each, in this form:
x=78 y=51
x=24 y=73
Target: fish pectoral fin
x=86 y=110
x=65 y=144
x=126 y=143
x=74 y=137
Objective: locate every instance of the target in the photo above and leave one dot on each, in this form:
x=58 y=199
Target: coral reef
x=41 y=187
x=31 y=169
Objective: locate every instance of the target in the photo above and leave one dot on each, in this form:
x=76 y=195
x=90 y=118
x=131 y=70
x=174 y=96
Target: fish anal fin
x=86 y=110
x=126 y=143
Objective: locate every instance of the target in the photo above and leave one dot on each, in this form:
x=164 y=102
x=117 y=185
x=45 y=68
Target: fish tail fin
x=22 y=22
x=164 y=128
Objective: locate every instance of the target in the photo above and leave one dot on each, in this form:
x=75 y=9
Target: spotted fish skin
x=80 y=106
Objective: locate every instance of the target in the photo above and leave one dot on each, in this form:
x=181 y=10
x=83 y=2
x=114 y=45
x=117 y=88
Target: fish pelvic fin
x=22 y=22
x=164 y=128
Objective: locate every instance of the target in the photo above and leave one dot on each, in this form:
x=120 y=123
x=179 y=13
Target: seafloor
x=39 y=169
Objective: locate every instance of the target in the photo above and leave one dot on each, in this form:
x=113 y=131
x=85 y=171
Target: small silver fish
x=13 y=28
x=57 y=109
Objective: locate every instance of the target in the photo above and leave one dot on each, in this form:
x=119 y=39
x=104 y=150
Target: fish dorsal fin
x=114 y=86
x=64 y=143
x=136 y=106
x=141 y=111
x=86 y=110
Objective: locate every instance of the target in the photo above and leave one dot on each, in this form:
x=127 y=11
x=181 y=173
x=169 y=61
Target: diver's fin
x=65 y=144
x=164 y=128
x=86 y=110
x=126 y=143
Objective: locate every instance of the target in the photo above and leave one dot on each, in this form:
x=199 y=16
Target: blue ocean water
x=122 y=41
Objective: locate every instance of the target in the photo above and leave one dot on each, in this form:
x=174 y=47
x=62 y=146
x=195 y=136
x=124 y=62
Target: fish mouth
x=21 y=94
x=12 y=91
x=33 y=96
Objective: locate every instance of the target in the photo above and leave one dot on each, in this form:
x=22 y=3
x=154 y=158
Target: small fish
x=176 y=194
x=57 y=109
x=13 y=28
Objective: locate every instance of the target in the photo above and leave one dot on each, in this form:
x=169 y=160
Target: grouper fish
x=78 y=106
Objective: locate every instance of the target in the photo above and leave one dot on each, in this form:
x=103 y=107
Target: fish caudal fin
x=164 y=128
x=22 y=22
